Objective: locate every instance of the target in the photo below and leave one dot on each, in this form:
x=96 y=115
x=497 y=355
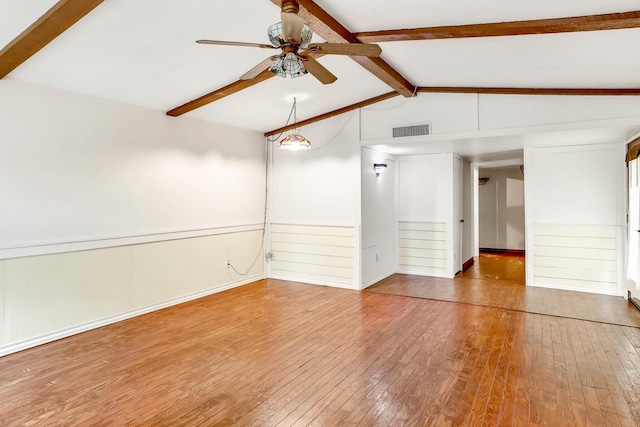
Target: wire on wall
x=413 y=95
x=264 y=218
x=344 y=125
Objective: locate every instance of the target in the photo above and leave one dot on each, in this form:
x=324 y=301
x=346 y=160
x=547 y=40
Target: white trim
x=574 y=288
x=445 y=275
x=75 y=246
x=631 y=138
x=353 y=287
x=621 y=253
x=309 y=224
x=529 y=254
x=67 y=332
x=357 y=258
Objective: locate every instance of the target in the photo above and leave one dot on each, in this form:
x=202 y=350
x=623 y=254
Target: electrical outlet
x=228 y=262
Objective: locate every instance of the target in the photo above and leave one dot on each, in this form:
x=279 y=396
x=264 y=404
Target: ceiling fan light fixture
x=275 y=34
x=277 y=39
x=289 y=65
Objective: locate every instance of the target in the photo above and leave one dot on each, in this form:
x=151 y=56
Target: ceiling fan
x=291 y=35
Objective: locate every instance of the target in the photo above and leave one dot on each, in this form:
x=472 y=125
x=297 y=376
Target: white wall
x=424 y=211
x=464 y=115
x=79 y=172
x=501 y=209
x=424 y=188
x=576 y=207
x=378 y=214
x=519 y=111
x=319 y=188
x=445 y=112
x=77 y=168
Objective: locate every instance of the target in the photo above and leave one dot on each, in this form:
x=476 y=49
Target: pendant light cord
x=295 y=120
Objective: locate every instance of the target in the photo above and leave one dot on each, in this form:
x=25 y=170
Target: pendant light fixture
x=294 y=141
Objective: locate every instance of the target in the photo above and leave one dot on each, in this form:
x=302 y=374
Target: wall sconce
x=378 y=168
x=483 y=181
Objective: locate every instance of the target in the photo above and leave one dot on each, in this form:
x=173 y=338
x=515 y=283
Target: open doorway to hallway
x=503 y=266
x=501 y=224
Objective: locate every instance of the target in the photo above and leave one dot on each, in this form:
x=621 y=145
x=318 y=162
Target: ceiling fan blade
x=255 y=71
x=318 y=71
x=225 y=43
x=291 y=26
x=352 y=49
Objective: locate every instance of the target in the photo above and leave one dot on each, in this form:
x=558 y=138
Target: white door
x=633 y=226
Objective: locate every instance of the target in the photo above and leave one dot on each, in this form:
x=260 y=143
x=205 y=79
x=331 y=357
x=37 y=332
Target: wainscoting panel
x=314 y=254
x=48 y=297
x=580 y=258
x=422 y=248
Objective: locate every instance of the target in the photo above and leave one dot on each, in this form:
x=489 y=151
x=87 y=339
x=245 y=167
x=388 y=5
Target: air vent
x=415 y=130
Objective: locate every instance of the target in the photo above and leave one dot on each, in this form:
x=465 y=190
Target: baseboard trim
x=468 y=264
x=67 y=332
x=503 y=251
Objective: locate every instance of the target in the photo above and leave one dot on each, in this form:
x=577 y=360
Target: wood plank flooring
x=277 y=353
x=497 y=266
x=498 y=281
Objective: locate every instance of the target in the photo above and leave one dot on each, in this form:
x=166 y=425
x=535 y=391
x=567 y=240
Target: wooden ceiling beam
x=327 y=27
x=220 y=93
x=332 y=31
x=333 y=113
x=54 y=22
x=533 y=91
x=610 y=21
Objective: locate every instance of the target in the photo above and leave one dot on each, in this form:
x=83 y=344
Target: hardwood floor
x=498 y=281
x=276 y=353
x=497 y=266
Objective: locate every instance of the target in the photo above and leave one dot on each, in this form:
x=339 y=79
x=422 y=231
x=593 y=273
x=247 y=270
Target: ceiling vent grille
x=415 y=130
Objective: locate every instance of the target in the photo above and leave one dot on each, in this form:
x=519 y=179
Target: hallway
x=496 y=266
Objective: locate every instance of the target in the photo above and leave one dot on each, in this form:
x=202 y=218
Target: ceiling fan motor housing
x=290 y=6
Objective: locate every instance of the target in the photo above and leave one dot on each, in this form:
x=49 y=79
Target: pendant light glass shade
x=295 y=141
x=289 y=64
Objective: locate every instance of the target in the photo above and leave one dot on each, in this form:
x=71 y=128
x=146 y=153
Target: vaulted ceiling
x=143 y=52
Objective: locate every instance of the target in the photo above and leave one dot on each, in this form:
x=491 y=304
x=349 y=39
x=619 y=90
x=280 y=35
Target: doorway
x=502 y=266
x=501 y=223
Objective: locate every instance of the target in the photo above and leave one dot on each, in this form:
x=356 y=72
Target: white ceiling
x=143 y=52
